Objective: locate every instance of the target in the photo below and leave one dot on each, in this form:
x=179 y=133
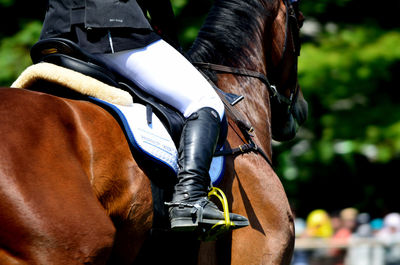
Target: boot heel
x=184 y=225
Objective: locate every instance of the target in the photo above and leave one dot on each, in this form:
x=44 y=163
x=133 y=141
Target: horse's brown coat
x=65 y=168
x=255 y=190
x=71 y=192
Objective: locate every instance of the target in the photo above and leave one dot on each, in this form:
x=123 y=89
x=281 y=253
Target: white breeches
x=163 y=72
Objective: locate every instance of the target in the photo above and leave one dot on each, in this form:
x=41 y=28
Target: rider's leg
x=190 y=204
x=163 y=72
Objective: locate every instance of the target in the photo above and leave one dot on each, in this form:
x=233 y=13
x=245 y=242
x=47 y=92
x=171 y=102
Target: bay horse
x=71 y=192
x=263 y=36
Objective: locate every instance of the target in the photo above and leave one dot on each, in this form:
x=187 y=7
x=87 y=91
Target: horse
x=262 y=36
x=72 y=193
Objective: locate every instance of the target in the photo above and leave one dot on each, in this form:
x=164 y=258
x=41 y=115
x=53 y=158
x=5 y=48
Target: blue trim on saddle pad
x=217 y=169
x=151 y=144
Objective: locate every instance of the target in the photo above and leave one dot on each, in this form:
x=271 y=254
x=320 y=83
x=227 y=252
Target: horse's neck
x=241 y=40
x=233 y=30
x=255 y=107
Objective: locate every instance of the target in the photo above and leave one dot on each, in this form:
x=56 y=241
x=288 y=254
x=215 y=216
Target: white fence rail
x=356 y=251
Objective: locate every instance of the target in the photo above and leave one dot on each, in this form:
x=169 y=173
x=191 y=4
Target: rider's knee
x=211 y=101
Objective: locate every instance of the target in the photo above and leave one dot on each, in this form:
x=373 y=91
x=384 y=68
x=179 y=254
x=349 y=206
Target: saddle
x=67 y=54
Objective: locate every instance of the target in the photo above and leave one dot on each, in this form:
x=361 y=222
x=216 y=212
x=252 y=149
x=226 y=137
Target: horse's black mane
x=230 y=26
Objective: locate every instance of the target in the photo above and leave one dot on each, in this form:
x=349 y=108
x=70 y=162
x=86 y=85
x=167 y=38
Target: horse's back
x=50 y=196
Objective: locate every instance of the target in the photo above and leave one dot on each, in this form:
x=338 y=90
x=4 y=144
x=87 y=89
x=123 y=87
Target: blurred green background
x=348 y=152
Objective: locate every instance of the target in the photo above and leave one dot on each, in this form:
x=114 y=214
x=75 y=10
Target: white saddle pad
x=154 y=140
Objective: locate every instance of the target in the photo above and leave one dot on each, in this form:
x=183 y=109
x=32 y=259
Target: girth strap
x=244 y=149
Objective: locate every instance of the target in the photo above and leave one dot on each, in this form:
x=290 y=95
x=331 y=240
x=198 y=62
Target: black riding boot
x=190 y=206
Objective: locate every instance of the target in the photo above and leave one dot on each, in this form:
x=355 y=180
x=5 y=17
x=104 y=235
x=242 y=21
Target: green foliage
x=354 y=12
x=350 y=79
x=349 y=74
x=6 y=3
x=319 y=8
x=14 y=52
x=178 y=5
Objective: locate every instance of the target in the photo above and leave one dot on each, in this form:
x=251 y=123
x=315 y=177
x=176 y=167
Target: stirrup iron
x=222 y=226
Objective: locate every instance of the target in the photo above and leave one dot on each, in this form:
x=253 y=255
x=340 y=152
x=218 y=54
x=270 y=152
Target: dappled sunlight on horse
x=72 y=193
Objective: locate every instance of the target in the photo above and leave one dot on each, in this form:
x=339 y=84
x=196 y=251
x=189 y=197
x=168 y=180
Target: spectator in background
x=300 y=257
x=318 y=225
x=376 y=225
x=336 y=221
x=389 y=235
x=363 y=228
x=349 y=224
x=348 y=217
x=360 y=250
x=300 y=226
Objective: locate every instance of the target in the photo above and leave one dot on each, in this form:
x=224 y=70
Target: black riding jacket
x=94 y=14
x=91 y=23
